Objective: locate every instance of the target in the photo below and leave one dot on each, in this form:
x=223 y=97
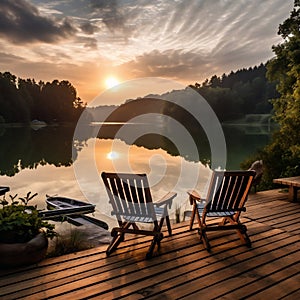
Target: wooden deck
x=184 y=270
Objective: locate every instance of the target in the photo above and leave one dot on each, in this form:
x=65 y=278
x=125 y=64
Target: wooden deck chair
x=226 y=198
x=130 y=197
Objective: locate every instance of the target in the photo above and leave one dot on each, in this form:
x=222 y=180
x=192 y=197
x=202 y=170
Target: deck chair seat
x=226 y=199
x=200 y=208
x=158 y=214
x=221 y=214
x=131 y=200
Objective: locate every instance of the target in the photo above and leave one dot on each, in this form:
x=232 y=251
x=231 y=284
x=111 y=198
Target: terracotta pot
x=20 y=254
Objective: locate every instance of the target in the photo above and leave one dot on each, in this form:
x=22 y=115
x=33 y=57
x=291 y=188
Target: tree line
x=246 y=91
x=24 y=100
x=232 y=96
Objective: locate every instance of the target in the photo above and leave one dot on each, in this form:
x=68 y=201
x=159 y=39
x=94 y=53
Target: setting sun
x=111 y=82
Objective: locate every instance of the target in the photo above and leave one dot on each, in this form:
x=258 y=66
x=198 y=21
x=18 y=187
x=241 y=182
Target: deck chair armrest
x=194 y=195
x=166 y=199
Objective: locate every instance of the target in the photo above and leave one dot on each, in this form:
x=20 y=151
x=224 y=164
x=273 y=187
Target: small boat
x=67 y=203
x=3 y=190
x=71 y=210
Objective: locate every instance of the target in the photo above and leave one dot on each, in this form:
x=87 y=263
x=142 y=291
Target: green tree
x=59 y=102
x=12 y=105
x=282 y=155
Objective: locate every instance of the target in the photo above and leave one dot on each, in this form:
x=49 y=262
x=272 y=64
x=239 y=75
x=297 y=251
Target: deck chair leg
x=117 y=239
x=156 y=240
x=204 y=239
x=169 y=225
x=159 y=238
x=247 y=240
x=135 y=226
x=202 y=233
x=206 y=242
x=194 y=212
x=242 y=233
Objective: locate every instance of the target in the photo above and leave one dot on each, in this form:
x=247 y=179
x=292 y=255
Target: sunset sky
x=86 y=41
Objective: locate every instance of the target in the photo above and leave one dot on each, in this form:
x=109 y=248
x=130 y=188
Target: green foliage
x=20 y=222
x=23 y=100
x=282 y=155
x=232 y=96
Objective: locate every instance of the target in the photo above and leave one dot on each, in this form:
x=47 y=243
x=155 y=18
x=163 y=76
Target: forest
x=24 y=100
x=246 y=91
x=232 y=96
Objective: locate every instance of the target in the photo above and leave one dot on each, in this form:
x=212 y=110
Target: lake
x=49 y=161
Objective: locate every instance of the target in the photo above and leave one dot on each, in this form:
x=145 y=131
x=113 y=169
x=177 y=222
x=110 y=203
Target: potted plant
x=23 y=233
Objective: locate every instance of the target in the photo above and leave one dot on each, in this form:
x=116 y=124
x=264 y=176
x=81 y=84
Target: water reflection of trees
x=25 y=148
x=163 y=118
x=159 y=140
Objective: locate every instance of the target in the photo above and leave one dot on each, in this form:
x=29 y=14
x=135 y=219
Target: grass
x=74 y=241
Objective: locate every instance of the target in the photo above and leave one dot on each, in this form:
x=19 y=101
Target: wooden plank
x=293 y=184
x=117 y=271
x=294 y=181
x=61 y=273
x=281 y=220
x=183 y=269
x=242 y=285
x=194 y=260
x=266 y=212
x=175 y=278
x=283 y=284
x=231 y=274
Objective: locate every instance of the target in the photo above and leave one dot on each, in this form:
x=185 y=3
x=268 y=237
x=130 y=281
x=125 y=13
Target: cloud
x=90 y=43
x=187 y=41
x=21 y=22
x=110 y=13
x=88 y=28
x=195 y=41
x=9 y=59
x=172 y=63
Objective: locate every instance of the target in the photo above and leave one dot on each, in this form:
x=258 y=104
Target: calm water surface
x=41 y=161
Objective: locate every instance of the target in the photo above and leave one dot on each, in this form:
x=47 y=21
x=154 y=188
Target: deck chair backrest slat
x=225 y=192
x=121 y=196
x=236 y=188
x=131 y=205
x=135 y=196
x=129 y=194
x=140 y=193
x=212 y=192
x=227 y=186
x=114 y=196
x=232 y=191
x=228 y=190
x=240 y=192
